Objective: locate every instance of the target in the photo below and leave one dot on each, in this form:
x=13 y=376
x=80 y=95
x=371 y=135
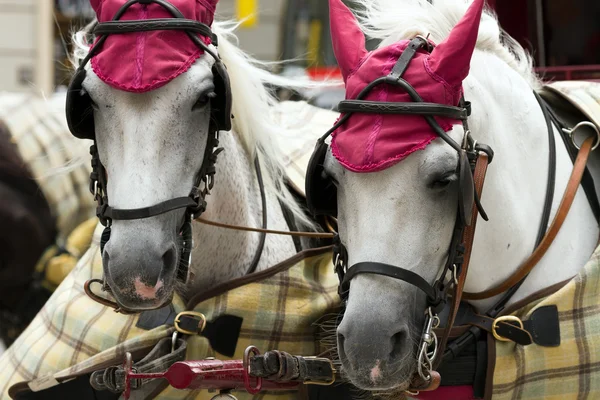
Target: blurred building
x=563 y=35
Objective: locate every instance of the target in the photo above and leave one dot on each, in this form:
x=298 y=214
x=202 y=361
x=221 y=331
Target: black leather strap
x=406 y=57
x=154 y=24
x=382 y=107
x=147 y=212
x=280 y=366
x=393 y=272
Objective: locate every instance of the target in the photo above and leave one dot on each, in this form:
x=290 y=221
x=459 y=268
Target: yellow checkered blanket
x=58 y=161
x=73 y=335
x=570 y=371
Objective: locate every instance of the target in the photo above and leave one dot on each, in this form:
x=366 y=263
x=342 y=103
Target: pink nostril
x=146 y=292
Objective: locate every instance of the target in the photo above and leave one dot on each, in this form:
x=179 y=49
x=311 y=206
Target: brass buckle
x=194 y=314
x=505 y=319
x=320 y=383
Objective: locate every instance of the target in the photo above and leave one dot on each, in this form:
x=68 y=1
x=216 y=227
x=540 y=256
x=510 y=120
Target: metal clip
x=428 y=339
x=454 y=274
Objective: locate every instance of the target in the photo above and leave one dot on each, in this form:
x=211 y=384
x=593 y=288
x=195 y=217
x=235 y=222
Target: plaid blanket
x=73 y=335
x=57 y=160
x=570 y=371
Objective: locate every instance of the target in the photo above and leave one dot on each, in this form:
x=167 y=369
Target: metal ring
x=246 y=363
x=503 y=319
x=571 y=132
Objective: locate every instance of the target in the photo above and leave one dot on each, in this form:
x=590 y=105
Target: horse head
x=419 y=113
x=153 y=101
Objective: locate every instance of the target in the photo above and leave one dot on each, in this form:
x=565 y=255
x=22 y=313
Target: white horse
x=404 y=215
x=152 y=145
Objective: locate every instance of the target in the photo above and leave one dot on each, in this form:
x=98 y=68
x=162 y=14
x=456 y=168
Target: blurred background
x=564 y=36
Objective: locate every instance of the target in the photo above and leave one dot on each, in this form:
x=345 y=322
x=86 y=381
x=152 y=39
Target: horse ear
x=451 y=59
x=348 y=40
x=96 y=5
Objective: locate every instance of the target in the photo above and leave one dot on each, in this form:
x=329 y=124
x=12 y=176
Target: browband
x=162 y=24
x=385 y=107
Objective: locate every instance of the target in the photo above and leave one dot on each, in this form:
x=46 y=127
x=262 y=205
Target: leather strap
x=393 y=272
x=407 y=55
x=280 y=366
x=316 y=235
x=559 y=219
x=468 y=238
x=383 y=107
x=147 y=212
x=153 y=25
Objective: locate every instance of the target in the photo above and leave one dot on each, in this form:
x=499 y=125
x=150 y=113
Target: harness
x=474 y=158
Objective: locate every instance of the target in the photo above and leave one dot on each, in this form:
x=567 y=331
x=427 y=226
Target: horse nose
x=138 y=272
x=371 y=343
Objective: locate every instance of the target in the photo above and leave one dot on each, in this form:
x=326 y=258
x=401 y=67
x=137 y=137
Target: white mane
x=252 y=101
x=390 y=22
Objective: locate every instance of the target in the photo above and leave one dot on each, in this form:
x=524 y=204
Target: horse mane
x=252 y=104
x=391 y=21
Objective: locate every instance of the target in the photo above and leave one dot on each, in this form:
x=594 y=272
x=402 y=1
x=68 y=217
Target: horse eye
x=444 y=181
x=203 y=100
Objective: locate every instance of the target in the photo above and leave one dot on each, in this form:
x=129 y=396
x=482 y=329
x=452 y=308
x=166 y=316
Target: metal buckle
x=426 y=43
x=505 y=319
x=571 y=132
x=197 y=315
x=319 y=383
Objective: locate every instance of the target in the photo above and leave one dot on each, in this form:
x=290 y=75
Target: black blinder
x=321 y=193
x=79 y=111
x=466 y=195
x=221 y=105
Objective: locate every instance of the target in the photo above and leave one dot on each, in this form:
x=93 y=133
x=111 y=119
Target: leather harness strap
x=561 y=215
x=467 y=239
x=315 y=235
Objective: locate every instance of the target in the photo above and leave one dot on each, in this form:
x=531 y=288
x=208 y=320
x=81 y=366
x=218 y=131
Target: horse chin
x=129 y=299
x=381 y=378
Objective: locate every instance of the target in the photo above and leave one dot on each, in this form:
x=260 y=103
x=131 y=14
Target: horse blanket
x=570 y=371
x=57 y=160
x=282 y=308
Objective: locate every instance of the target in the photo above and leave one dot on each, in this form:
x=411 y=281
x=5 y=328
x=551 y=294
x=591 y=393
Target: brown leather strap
x=248 y=229
x=467 y=239
x=561 y=215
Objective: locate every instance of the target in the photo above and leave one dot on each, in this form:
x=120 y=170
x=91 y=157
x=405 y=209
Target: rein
x=315 y=235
